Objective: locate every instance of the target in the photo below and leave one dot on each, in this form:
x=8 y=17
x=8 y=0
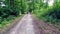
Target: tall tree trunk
x=11 y=3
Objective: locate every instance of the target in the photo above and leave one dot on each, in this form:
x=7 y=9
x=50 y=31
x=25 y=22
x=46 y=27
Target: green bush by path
x=12 y=9
x=50 y=14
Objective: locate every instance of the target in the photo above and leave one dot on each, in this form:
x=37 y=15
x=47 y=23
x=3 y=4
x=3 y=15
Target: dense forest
x=9 y=9
x=49 y=12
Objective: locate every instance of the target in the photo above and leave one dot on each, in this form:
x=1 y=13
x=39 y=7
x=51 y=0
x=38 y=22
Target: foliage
x=47 y=13
x=12 y=9
x=42 y=10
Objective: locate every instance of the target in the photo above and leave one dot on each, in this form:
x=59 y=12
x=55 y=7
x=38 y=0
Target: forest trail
x=28 y=25
x=25 y=26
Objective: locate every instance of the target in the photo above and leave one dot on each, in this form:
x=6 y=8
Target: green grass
x=6 y=21
x=48 y=15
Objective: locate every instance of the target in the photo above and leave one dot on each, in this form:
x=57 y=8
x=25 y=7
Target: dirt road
x=27 y=25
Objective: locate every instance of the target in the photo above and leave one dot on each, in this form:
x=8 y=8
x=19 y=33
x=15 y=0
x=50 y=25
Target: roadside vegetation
x=10 y=9
x=48 y=13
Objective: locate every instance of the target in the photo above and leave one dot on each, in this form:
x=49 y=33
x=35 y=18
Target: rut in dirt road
x=25 y=26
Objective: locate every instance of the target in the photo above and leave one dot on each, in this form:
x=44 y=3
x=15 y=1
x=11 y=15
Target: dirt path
x=45 y=28
x=28 y=25
x=25 y=26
